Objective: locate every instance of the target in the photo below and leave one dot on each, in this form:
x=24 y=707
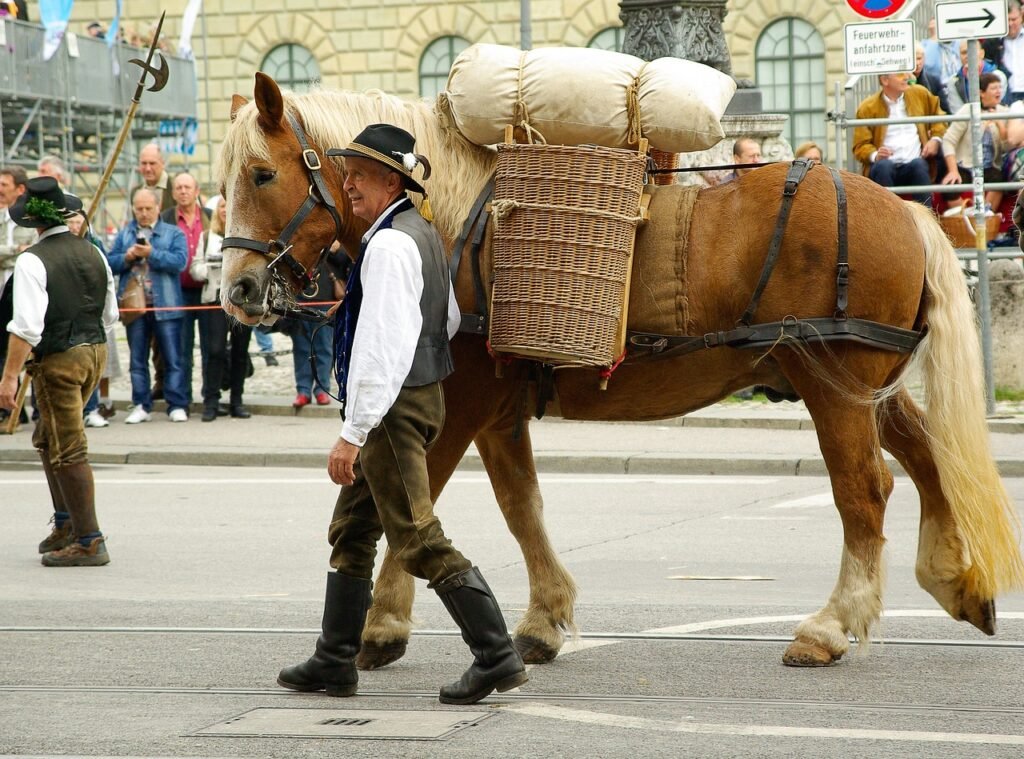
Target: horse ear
x=269 y=102
x=237 y=101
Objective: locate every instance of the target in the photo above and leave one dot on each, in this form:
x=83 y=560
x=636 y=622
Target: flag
x=54 y=15
x=188 y=23
x=112 y=34
x=115 y=25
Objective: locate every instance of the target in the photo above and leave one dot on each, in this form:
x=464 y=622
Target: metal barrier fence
x=88 y=79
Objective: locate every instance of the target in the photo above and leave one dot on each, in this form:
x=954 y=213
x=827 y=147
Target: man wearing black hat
x=63 y=301
x=391 y=353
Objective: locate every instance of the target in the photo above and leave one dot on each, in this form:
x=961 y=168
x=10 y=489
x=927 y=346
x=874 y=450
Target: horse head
x=285 y=206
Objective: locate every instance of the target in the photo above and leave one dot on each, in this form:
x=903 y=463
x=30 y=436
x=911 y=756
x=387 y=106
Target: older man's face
x=185 y=191
x=145 y=208
x=151 y=166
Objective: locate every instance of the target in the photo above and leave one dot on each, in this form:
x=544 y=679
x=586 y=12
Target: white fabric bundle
x=575 y=96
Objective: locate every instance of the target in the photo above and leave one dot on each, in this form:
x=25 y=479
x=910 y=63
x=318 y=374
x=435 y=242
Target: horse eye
x=263 y=176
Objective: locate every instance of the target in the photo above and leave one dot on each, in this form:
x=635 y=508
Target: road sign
x=974 y=19
x=881 y=47
x=875 y=8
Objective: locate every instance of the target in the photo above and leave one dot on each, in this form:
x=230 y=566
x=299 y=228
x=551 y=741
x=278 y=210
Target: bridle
x=278 y=249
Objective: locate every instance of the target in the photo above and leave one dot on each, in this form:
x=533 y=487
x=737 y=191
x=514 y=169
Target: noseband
x=278 y=249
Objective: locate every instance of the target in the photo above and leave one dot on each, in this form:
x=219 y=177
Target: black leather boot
x=333 y=666
x=496 y=663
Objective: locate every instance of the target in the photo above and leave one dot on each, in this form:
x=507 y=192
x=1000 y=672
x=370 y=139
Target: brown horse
x=903 y=272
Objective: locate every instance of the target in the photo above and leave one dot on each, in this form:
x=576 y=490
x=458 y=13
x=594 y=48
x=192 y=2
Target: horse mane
x=332 y=118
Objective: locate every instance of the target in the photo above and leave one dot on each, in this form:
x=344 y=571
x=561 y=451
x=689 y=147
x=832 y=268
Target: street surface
x=690 y=587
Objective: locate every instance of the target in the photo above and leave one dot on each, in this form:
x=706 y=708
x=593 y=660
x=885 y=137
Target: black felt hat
x=43 y=204
x=391 y=146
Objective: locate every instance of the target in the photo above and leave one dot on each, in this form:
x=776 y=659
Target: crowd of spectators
x=921 y=154
x=171 y=244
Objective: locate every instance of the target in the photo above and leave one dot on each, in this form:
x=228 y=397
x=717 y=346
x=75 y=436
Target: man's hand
x=8 y=389
x=884 y=153
x=930 y=148
x=341 y=462
x=140 y=251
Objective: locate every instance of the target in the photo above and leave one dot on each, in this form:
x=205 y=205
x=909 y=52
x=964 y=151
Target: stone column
x=692 y=29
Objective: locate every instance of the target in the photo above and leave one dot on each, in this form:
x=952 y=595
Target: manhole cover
x=271 y=722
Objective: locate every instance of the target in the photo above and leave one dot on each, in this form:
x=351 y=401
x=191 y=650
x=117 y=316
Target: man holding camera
x=155 y=253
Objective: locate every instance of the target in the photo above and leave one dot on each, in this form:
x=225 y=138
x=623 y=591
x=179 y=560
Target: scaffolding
x=73 y=106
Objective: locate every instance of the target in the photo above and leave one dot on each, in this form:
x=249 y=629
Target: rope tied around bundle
x=502 y=209
x=633 y=129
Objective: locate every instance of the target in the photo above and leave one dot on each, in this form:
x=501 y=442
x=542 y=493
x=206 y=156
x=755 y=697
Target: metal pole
x=977 y=174
x=525 y=33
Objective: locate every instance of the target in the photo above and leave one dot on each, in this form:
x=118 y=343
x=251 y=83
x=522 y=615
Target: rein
x=279 y=248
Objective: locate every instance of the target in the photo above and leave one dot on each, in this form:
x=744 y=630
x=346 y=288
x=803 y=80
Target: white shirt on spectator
x=902 y=139
x=1013 y=60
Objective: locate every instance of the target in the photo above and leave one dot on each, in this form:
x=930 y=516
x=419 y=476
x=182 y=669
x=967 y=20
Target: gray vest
x=433 y=358
x=76 y=284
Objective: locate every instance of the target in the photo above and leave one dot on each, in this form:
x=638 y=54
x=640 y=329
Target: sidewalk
x=715 y=440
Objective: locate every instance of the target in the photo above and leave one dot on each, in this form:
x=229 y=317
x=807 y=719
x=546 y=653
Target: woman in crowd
x=957 y=150
x=809 y=150
x=213 y=326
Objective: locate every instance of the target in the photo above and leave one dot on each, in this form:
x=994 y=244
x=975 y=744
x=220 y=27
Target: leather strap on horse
x=475 y=323
x=318 y=193
x=794 y=177
x=821 y=329
x=842 y=264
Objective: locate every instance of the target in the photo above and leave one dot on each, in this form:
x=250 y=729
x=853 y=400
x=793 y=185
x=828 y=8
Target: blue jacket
x=166 y=262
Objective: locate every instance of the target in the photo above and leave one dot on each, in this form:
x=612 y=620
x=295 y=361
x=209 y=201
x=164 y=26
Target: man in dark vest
x=391 y=353
x=63 y=301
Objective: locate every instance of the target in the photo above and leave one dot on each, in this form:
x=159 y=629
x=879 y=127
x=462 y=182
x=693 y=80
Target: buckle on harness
x=311 y=159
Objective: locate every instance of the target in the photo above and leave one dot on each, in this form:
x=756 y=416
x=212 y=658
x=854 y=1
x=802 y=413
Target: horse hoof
x=375 y=656
x=803 y=654
x=534 y=650
x=982 y=615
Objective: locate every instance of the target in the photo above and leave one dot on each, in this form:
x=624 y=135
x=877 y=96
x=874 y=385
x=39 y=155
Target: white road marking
x=721 y=624
x=807 y=502
x=744 y=578
x=602 y=719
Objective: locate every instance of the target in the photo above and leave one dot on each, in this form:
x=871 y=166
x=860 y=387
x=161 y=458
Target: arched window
x=790 y=64
x=292 y=66
x=436 y=62
x=608 y=39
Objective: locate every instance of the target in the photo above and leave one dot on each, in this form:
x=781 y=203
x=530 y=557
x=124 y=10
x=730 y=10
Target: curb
x=547 y=463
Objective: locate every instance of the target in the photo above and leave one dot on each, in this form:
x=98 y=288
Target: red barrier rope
x=203 y=308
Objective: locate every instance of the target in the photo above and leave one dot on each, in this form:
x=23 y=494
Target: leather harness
x=645 y=345
x=279 y=249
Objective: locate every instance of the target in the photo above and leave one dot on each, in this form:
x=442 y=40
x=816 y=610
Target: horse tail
x=950 y=360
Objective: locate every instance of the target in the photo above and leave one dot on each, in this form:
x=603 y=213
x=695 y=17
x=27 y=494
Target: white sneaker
x=138 y=414
x=178 y=415
x=95 y=419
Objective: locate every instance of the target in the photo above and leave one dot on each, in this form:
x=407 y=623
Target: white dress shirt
x=1013 y=59
x=388 y=329
x=902 y=139
x=31 y=298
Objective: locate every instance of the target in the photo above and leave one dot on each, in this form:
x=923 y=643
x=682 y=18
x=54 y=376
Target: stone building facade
x=362 y=44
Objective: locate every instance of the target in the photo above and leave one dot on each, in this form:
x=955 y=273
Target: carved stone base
x=766 y=128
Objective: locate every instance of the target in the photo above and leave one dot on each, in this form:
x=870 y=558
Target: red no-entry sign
x=875 y=8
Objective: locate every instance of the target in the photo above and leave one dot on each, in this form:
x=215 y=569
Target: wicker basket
x=565 y=223
x=962 y=235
